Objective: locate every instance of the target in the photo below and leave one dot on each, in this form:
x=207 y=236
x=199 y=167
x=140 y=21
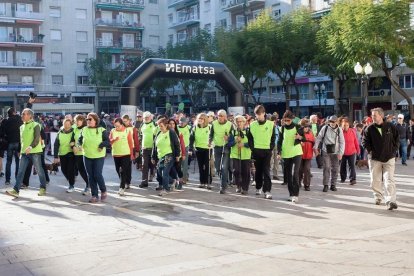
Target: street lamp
x=319 y=92
x=363 y=75
x=245 y=96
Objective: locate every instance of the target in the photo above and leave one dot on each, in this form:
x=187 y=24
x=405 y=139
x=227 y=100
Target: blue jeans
x=163 y=173
x=25 y=159
x=94 y=169
x=223 y=159
x=403 y=150
x=12 y=150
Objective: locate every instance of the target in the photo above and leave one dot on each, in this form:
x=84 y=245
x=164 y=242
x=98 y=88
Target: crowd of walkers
x=240 y=150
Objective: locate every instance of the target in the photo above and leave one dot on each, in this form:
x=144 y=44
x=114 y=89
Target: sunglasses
x=88 y=119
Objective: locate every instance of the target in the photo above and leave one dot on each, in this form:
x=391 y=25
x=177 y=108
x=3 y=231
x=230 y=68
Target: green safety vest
x=64 y=142
x=262 y=134
x=92 y=138
x=77 y=132
x=27 y=136
x=201 y=136
x=185 y=131
x=220 y=130
x=120 y=147
x=163 y=144
x=289 y=149
x=148 y=130
x=315 y=129
x=243 y=153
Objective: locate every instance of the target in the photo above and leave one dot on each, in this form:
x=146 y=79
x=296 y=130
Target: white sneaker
x=268 y=195
x=121 y=192
x=238 y=190
x=70 y=190
x=253 y=183
x=172 y=188
x=290 y=198
x=163 y=193
x=258 y=192
x=295 y=199
x=86 y=191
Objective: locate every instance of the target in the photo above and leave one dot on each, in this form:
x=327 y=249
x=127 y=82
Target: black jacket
x=11 y=128
x=382 y=147
x=403 y=131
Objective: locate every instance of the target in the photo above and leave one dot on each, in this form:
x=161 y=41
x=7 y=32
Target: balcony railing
x=24 y=15
x=236 y=5
x=24 y=64
x=122 y=4
x=180 y=3
x=124 y=45
x=185 y=20
x=21 y=39
x=118 y=23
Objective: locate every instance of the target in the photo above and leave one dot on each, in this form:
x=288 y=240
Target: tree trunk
x=400 y=91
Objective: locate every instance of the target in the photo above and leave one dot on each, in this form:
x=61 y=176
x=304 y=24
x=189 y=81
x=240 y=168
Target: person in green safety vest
x=94 y=141
x=290 y=149
x=148 y=129
x=63 y=152
x=31 y=149
x=122 y=152
x=135 y=143
x=185 y=129
x=80 y=123
x=262 y=141
x=241 y=155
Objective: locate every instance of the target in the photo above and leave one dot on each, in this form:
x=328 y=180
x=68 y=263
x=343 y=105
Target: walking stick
x=221 y=159
x=209 y=169
x=241 y=135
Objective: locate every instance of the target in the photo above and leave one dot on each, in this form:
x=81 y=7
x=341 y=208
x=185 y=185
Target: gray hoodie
x=333 y=136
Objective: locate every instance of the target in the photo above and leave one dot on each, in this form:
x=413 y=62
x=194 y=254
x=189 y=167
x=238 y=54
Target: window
x=56 y=57
x=81 y=58
x=55 y=34
x=21 y=7
x=83 y=80
x=80 y=13
x=3 y=10
x=223 y=3
x=153 y=1
x=170 y=38
x=154 y=40
x=4 y=79
x=25 y=58
x=107 y=39
x=207 y=27
x=81 y=36
x=128 y=40
x=223 y=23
x=407 y=81
x=207 y=5
x=154 y=19
x=26 y=34
x=27 y=79
x=57 y=79
x=170 y=18
x=240 y=23
x=277 y=90
x=276 y=11
x=54 y=11
x=6 y=58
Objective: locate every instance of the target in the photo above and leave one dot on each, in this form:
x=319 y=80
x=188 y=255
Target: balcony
x=118 y=47
x=118 y=24
x=237 y=5
x=179 y=4
x=19 y=15
x=20 y=40
x=23 y=64
x=185 y=20
x=120 y=5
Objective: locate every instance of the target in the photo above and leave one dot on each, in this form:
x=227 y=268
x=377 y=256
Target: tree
x=100 y=73
x=378 y=32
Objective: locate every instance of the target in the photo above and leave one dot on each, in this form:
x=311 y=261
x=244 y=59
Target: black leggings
x=292 y=176
x=81 y=168
x=123 y=168
x=241 y=173
x=67 y=165
x=204 y=165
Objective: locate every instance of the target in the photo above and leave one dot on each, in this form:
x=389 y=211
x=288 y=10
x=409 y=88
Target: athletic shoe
x=268 y=195
x=333 y=188
x=238 y=190
x=121 y=192
x=202 y=186
x=243 y=192
x=143 y=185
x=104 y=195
x=86 y=191
x=208 y=187
x=307 y=188
x=276 y=177
x=295 y=199
x=290 y=198
x=93 y=199
x=1 y=174
x=163 y=192
x=159 y=188
x=70 y=190
x=173 y=185
x=7 y=183
x=342 y=180
x=325 y=188
x=258 y=192
x=222 y=191
x=378 y=201
x=42 y=192
x=391 y=205
x=12 y=193
x=127 y=186
x=353 y=182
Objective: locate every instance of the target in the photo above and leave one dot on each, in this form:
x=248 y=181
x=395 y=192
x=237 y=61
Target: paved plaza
x=199 y=232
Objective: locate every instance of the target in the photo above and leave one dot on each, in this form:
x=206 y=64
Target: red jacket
x=307 y=147
x=351 y=142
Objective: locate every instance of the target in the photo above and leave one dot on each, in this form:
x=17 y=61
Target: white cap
x=146 y=114
x=401 y=116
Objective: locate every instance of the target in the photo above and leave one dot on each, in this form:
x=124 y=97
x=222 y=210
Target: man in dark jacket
x=404 y=133
x=381 y=141
x=11 y=132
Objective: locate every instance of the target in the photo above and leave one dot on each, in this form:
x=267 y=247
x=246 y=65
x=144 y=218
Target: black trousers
x=203 y=160
x=67 y=165
x=123 y=168
x=262 y=159
x=147 y=166
x=350 y=159
x=241 y=173
x=81 y=168
x=305 y=172
x=292 y=176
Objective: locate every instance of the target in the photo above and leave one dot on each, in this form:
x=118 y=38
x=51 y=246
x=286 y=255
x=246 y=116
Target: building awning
x=63 y=108
x=404 y=102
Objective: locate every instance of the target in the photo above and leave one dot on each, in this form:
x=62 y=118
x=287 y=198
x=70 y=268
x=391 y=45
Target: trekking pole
x=241 y=135
x=209 y=179
x=221 y=158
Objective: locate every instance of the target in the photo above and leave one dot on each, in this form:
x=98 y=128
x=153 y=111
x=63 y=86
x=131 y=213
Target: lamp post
x=245 y=96
x=363 y=75
x=319 y=90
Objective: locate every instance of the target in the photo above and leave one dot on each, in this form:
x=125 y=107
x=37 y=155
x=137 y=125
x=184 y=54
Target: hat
x=210 y=113
x=139 y=113
x=183 y=120
x=401 y=116
x=333 y=118
x=146 y=114
x=106 y=115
